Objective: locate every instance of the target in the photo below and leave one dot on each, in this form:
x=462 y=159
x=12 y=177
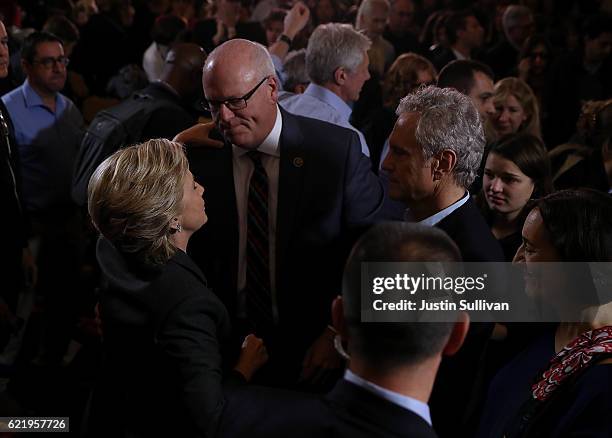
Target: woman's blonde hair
x=134 y=195
x=402 y=78
x=525 y=97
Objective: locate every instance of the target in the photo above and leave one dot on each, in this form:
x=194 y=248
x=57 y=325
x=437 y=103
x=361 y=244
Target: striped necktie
x=259 y=297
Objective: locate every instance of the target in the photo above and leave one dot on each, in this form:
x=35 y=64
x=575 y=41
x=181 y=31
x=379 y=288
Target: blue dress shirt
x=319 y=103
x=48 y=143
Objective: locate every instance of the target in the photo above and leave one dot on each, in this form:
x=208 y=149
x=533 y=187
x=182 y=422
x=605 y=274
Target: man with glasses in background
x=285 y=195
x=48 y=130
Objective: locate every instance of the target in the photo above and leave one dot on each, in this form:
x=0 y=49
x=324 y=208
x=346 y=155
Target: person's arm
x=189 y=337
x=295 y=20
x=199 y=136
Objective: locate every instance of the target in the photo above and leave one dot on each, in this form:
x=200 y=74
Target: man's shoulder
x=358 y=412
x=309 y=106
x=468 y=228
x=13 y=97
x=313 y=126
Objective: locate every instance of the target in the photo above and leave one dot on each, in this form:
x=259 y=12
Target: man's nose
x=225 y=114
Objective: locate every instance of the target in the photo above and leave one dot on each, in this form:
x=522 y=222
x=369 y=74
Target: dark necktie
x=259 y=297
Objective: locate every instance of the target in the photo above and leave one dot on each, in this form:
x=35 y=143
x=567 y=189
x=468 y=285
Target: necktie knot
x=255 y=157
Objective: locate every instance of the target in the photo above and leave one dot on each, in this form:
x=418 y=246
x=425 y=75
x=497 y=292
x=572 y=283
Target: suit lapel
x=293 y=160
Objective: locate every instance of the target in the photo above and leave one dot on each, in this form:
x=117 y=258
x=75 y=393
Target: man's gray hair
x=365 y=9
x=514 y=14
x=331 y=46
x=294 y=67
x=448 y=120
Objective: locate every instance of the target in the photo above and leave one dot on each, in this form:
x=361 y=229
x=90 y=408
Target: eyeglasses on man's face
x=233 y=104
x=50 y=61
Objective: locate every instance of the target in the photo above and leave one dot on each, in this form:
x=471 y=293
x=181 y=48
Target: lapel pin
x=298 y=162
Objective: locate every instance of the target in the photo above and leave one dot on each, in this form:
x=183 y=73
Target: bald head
x=183 y=68
x=241 y=88
x=246 y=57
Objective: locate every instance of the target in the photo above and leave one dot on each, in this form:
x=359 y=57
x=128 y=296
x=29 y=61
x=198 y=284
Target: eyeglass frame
x=214 y=106
x=51 y=61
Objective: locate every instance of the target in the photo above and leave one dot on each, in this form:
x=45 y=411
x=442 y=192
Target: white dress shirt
x=434 y=219
x=412 y=404
x=243 y=169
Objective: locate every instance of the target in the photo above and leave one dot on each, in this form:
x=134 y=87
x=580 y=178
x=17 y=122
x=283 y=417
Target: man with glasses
x=284 y=195
x=48 y=130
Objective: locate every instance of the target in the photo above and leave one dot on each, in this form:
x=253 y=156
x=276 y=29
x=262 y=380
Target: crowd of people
x=191 y=188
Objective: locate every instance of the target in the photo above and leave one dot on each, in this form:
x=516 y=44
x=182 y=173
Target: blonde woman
x=163 y=329
x=516 y=109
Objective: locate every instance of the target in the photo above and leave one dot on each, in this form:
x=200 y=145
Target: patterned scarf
x=576 y=356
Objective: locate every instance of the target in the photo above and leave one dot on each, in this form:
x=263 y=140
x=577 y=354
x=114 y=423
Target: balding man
x=283 y=195
x=371 y=19
x=179 y=85
x=161 y=110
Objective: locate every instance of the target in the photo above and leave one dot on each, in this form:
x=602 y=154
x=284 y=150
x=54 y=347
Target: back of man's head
x=183 y=68
x=394 y=344
x=331 y=46
x=296 y=76
x=459 y=74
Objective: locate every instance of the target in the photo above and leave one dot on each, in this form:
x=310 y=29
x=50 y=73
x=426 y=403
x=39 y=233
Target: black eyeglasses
x=50 y=61
x=234 y=104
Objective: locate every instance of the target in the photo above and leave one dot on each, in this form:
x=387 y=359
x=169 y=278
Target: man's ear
x=338 y=318
x=274 y=86
x=443 y=164
x=340 y=76
x=458 y=334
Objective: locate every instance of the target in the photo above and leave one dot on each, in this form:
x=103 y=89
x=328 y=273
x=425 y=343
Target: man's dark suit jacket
x=347 y=411
x=326 y=194
x=473 y=236
x=163 y=364
x=460 y=386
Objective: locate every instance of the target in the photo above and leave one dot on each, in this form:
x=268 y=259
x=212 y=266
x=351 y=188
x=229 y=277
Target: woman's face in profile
x=537 y=248
x=509 y=115
x=193 y=213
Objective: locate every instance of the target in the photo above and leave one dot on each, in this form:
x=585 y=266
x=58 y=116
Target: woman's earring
x=179 y=228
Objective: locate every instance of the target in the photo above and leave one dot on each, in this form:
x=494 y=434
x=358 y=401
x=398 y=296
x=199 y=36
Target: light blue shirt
x=48 y=143
x=404 y=401
x=319 y=103
x=433 y=220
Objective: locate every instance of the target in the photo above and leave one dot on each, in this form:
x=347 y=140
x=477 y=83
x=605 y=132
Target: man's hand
x=199 y=136
x=253 y=356
x=321 y=357
x=296 y=19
